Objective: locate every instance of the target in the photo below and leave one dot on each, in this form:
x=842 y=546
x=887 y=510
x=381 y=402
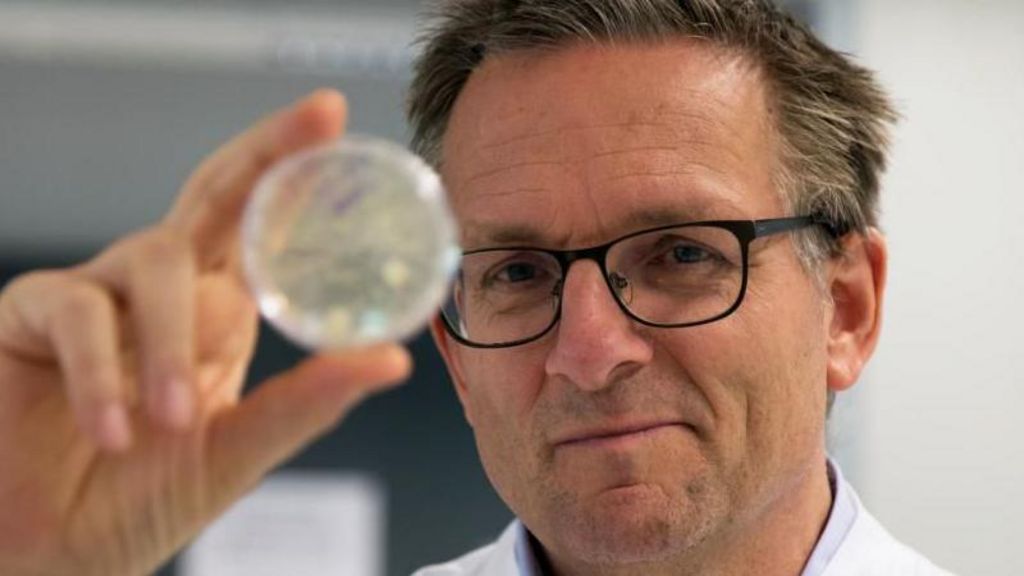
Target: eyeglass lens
x=683 y=275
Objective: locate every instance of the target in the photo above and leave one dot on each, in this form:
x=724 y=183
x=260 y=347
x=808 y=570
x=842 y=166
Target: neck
x=775 y=540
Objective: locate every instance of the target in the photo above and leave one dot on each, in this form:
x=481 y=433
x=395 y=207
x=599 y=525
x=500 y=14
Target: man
x=671 y=264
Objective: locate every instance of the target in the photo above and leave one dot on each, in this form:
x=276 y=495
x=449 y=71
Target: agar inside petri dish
x=349 y=244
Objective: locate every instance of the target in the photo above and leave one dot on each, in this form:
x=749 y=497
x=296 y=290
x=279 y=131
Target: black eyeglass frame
x=745 y=231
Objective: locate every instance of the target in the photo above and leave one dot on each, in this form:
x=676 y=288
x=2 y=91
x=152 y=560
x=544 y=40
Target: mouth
x=618 y=437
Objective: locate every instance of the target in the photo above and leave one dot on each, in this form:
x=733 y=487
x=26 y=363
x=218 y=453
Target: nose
x=595 y=339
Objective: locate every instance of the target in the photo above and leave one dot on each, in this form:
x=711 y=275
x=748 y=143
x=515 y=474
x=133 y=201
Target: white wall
x=941 y=461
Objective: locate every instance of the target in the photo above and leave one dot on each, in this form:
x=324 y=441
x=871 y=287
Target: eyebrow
x=528 y=235
x=662 y=216
x=518 y=234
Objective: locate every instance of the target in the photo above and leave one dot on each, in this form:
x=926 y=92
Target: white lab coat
x=867 y=550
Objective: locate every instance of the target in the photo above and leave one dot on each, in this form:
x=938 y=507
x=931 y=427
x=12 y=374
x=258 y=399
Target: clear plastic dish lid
x=349 y=244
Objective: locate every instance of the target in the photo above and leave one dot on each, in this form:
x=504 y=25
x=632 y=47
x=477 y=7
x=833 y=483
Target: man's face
x=611 y=440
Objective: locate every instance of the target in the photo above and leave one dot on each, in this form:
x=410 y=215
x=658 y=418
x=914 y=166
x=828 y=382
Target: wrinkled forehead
x=584 y=143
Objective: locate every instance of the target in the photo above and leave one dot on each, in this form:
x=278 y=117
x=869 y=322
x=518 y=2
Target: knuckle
x=142 y=255
x=121 y=248
x=36 y=282
x=160 y=244
x=30 y=294
x=80 y=302
x=160 y=248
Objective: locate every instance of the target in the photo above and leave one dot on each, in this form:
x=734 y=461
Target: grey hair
x=831 y=115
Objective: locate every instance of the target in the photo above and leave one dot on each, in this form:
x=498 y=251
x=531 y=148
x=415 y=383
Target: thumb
x=292 y=409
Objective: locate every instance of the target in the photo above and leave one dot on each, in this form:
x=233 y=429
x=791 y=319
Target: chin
x=634 y=524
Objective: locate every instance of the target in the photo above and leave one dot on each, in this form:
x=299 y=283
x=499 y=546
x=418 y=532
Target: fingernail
x=114 y=430
x=176 y=404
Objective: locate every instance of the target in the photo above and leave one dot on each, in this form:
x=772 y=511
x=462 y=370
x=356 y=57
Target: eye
x=690 y=254
x=520 y=271
x=517 y=272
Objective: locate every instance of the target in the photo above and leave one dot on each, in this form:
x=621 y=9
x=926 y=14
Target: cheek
x=502 y=386
x=787 y=402
x=500 y=393
x=762 y=374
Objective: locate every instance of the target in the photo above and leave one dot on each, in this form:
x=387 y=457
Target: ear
x=449 y=354
x=856 y=283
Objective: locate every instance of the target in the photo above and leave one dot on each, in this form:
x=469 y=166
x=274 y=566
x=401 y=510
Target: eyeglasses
x=668 y=277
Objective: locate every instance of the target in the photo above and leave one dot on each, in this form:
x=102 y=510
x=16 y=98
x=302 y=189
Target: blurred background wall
x=943 y=437
x=105 y=106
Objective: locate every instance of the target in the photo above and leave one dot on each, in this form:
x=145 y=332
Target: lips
x=612 y=434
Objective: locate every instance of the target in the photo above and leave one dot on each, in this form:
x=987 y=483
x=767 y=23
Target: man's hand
x=122 y=430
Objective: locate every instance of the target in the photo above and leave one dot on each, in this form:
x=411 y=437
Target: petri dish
x=349 y=244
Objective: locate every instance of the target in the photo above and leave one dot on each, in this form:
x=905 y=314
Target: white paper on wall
x=296 y=523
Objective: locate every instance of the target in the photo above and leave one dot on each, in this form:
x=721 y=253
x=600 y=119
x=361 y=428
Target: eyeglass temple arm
x=778 y=225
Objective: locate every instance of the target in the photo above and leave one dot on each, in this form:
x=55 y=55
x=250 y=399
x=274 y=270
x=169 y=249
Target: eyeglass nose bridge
x=618 y=285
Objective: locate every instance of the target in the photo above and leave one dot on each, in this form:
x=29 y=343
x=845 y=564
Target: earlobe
x=444 y=346
x=856 y=284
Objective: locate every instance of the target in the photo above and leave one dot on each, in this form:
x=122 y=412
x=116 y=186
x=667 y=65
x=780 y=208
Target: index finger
x=210 y=206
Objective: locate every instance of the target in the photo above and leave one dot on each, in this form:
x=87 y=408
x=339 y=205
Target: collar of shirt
x=840 y=519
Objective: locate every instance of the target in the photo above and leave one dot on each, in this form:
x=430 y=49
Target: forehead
x=577 y=145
